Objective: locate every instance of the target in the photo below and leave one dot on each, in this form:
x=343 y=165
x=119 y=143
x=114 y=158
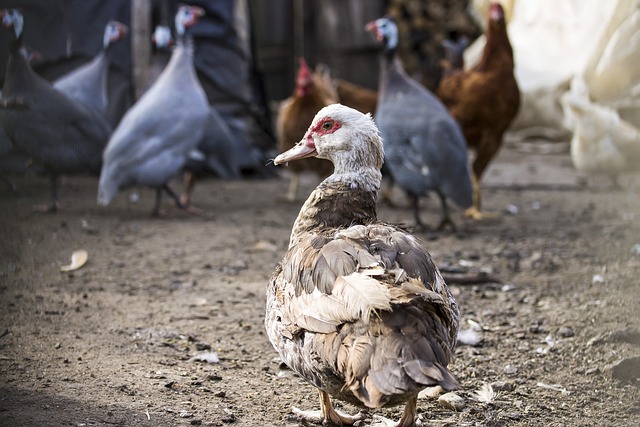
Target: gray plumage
x=154 y=138
x=425 y=149
x=88 y=83
x=60 y=134
x=219 y=153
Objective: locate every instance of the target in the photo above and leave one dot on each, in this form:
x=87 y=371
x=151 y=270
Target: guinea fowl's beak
x=122 y=29
x=373 y=28
x=302 y=150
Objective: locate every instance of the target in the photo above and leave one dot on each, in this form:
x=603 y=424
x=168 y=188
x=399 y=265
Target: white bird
x=602 y=143
x=357 y=307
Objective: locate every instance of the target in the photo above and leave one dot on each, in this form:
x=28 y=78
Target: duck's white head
x=346 y=137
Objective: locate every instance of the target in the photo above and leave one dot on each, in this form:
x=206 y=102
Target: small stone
x=510 y=370
x=185 y=414
x=593 y=371
x=626 y=370
x=566 y=332
x=469 y=337
x=220 y=393
x=200 y=346
x=430 y=392
x=230 y=418
x=503 y=386
x=452 y=401
x=57 y=346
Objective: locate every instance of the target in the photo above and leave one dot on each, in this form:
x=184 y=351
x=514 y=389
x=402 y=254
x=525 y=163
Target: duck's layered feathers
x=361 y=311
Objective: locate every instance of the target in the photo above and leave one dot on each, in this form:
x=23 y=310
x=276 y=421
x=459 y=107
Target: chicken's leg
x=327 y=415
x=474 y=211
x=293 y=187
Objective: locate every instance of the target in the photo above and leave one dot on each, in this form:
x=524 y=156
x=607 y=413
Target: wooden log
x=140 y=43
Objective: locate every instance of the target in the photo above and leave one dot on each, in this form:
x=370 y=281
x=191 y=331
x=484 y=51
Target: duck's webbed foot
x=328 y=415
x=409 y=417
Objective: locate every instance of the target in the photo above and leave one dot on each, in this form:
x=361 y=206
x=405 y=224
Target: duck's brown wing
x=364 y=311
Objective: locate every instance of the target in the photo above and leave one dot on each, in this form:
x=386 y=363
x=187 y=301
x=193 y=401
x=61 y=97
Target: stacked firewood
x=423 y=25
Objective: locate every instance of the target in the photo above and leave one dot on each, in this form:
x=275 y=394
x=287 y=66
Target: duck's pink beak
x=302 y=150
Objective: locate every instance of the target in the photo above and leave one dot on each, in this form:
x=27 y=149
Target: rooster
x=484 y=100
x=313 y=91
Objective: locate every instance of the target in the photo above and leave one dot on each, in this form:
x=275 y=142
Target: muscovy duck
x=357 y=307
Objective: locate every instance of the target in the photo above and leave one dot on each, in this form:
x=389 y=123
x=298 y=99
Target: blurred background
x=247 y=50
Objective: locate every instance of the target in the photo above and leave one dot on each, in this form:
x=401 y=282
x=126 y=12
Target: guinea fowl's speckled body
x=60 y=134
x=154 y=138
x=357 y=307
x=424 y=146
x=88 y=83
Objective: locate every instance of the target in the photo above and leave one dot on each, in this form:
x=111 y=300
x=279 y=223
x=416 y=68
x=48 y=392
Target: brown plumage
x=484 y=99
x=357 y=307
x=355 y=96
x=313 y=91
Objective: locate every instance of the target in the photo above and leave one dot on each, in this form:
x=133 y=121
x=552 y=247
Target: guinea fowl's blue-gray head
x=186 y=17
x=113 y=32
x=13 y=19
x=162 y=37
x=384 y=30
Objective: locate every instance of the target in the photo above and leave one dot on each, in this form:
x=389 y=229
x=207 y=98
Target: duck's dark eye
x=327 y=125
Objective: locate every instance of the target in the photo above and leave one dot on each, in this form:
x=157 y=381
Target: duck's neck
x=340 y=201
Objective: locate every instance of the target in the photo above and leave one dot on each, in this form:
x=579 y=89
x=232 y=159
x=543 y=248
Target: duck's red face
x=307 y=146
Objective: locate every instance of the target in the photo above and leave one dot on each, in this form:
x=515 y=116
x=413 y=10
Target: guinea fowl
x=425 y=149
x=312 y=92
x=357 y=307
x=484 y=99
x=154 y=138
x=60 y=134
x=216 y=154
x=88 y=83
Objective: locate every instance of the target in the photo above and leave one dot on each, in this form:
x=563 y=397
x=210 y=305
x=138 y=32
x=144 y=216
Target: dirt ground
x=124 y=340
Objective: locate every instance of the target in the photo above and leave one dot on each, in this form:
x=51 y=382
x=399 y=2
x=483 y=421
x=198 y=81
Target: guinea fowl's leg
x=446 y=217
x=53 y=203
x=327 y=415
x=187 y=208
x=188 y=181
x=156 y=208
x=9 y=183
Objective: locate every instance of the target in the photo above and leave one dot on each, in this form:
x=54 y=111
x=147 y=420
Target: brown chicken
x=355 y=96
x=313 y=91
x=484 y=99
